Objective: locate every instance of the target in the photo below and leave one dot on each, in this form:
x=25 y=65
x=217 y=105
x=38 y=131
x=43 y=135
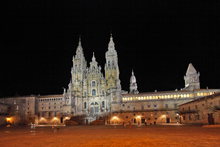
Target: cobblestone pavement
x=152 y=136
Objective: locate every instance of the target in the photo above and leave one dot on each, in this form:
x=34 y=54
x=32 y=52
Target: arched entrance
x=94 y=108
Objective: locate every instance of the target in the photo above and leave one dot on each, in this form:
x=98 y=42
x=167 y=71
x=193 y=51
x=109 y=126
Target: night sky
x=156 y=38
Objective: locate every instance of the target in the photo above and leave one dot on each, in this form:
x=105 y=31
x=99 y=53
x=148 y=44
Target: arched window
x=108 y=63
x=85 y=105
x=93 y=92
x=93 y=83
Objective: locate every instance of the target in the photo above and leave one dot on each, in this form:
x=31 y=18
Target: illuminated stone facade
x=50 y=107
x=204 y=110
x=93 y=95
x=155 y=107
x=4 y=108
x=133 y=84
x=89 y=93
x=191 y=78
x=21 y=110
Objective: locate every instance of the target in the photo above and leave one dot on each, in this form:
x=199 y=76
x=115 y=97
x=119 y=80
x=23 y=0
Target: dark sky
x=157 y=38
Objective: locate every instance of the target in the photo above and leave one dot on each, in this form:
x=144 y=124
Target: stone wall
x=204 y=110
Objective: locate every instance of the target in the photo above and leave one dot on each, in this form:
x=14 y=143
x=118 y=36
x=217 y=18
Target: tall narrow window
x=93 y=92
x=103 y=104
x=85 y=105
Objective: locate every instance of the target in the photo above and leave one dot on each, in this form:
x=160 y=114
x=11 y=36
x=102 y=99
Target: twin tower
x=89 y=91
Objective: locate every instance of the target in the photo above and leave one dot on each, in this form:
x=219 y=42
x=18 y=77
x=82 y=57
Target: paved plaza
x=152 y=136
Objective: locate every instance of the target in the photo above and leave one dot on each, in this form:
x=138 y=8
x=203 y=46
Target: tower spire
x=132 y=73
x=79 y=49
x=111 y=44
x=93 y=56
x=79 y=44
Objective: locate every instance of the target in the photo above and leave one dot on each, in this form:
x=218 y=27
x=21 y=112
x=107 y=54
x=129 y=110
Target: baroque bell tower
x=111 y=67
x=78 y=70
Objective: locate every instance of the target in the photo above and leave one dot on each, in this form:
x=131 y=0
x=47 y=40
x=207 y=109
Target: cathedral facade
x=90 y=92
